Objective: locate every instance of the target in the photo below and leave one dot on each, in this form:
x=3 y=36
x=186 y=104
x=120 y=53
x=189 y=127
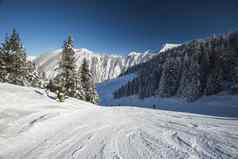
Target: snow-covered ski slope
x=222 y=104
x=33 y=126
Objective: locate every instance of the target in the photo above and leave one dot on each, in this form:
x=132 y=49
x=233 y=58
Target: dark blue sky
x=115 y=26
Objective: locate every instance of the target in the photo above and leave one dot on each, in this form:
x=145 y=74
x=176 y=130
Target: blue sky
x=113 y=26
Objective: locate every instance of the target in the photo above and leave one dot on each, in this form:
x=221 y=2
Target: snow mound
x=33 y=125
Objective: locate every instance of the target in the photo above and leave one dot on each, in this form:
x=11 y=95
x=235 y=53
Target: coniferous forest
x=194 y=69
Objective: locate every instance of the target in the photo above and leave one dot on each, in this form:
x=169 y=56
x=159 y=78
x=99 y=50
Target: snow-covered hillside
x=35 y=126
x=103 y=66
x=105 y=89
x=197 y=68
x=221 y=104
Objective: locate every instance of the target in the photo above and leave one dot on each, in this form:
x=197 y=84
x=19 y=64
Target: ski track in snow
x=32 y=126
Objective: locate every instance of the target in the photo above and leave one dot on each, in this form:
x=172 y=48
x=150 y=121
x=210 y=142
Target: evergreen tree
x=68 y=68
x=13 y=59
x=234 y=87
x=169 y=80
x=14 y=51
x=190 y=83
x=70 y=82
x=87 y=82
x=3 y=71
x=78 y=91
x=214 y=82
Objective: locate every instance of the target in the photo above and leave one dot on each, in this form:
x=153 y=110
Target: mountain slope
x=102 y=66
x=190 y=71
x=221 y=104
x=35 y=126
x=105 y=89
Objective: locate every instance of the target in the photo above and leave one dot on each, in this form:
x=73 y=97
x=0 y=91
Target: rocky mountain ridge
x=103 y=66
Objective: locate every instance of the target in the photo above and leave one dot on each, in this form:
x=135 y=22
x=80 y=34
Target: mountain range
x=198 y=68
x=102 y=66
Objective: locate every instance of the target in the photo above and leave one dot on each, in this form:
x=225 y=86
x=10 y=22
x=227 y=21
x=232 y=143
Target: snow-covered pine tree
x=67 y=79
x=169 y=81
x=33 y=76
x=215 y=75
x=234 y=86
x=79 y=91
x=214 y=82
x=190 y=83
x=88 y=84
x=204 y=66
x=14 y=57
x=3 y=70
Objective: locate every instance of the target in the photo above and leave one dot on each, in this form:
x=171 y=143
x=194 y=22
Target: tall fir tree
x=79 y=92
x=78 y=84
x=13 y=57
x=88 y=84
x=3 y=71
x=68 y=68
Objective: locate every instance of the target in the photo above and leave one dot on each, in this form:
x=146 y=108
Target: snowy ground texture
x=34 y=126
x=222 y=104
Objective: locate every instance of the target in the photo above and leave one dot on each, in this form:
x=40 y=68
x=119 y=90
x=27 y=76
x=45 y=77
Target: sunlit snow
x=34 y=126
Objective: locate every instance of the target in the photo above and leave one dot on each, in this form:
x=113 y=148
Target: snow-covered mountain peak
x=56 y=51
x=103 y=66
x=133 y=53
x=83 y=50
x=31 y=58
x=168 y=46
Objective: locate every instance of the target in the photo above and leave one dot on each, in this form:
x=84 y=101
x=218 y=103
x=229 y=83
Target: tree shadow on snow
x=40 y=93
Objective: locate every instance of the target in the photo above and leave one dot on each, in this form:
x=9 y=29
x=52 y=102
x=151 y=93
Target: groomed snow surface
x=34 y=126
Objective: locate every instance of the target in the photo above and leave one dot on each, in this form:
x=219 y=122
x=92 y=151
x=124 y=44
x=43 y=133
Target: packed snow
x=32 y=125
x=220 y=105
